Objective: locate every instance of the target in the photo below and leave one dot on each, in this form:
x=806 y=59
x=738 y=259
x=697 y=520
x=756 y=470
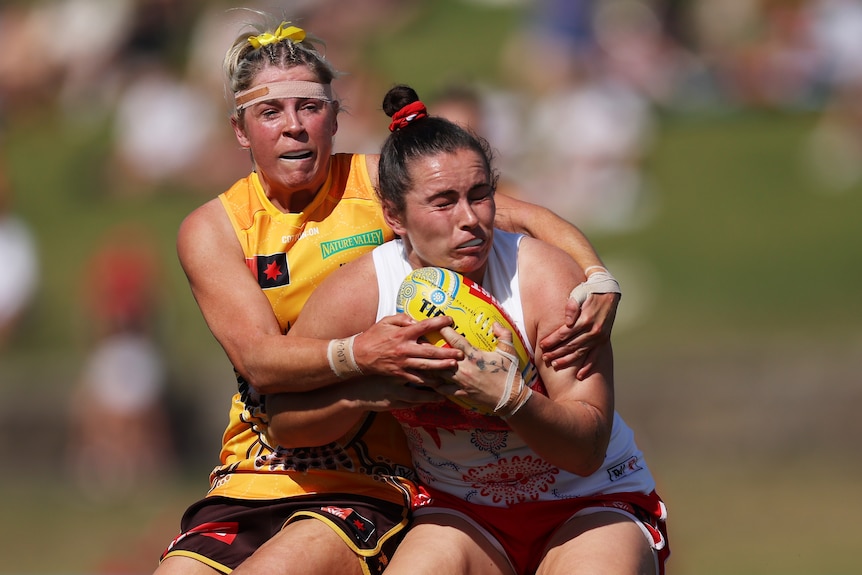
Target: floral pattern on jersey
x=491 y=441
x=422 y=459
x=514 y=481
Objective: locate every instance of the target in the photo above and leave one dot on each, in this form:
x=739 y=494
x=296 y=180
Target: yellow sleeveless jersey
x=291 y=254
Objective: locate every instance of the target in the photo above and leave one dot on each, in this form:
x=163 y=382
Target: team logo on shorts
x=362 y=528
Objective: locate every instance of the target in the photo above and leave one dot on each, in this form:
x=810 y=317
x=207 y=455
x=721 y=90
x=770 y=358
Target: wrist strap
x=522 y=399
x=341 y=358
x=516 y=392
x=506 y=397
x=598 y=282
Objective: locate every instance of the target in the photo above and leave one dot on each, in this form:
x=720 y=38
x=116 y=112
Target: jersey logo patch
x=624 y=469
x=331 y=248
x=271 y=271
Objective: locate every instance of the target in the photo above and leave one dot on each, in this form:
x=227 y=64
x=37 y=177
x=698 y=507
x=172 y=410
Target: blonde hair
x=243 y=61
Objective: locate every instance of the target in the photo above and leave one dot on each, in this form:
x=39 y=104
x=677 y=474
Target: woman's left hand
x=586 y=328
x=490 y=379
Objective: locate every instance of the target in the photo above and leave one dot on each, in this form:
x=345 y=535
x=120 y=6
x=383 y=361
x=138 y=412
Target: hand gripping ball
x=432 y=291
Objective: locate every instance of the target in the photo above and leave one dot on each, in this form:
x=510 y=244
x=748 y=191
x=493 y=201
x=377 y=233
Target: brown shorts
x=223 y=532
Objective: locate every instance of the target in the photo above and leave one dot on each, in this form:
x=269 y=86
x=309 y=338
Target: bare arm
x=337 y=309
x=241 y=317
x=518 y=216
x=571 y=426
x=586 y=327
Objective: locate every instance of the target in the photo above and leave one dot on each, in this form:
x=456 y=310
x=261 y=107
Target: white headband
x=289 y=89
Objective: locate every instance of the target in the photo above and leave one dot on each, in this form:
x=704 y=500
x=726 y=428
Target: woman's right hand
x=392 y=347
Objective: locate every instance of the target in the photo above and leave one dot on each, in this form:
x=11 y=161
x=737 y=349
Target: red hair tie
x=407 y=114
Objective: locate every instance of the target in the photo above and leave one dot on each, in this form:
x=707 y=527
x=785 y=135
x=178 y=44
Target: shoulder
x=209 y=217
x=547 y=273
x=207 y=227
x=546 y=257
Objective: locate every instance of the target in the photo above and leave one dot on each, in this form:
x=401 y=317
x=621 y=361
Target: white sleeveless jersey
x=479 y=458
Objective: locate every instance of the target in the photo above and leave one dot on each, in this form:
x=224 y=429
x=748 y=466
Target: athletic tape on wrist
x=514 y=395
x=342 y=361
x=599 y=282
x=526 y=394
x=506 y=397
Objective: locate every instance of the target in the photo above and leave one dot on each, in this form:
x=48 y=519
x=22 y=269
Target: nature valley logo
x=373 y=238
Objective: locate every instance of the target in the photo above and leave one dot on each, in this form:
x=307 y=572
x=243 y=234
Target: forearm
x=543 y=224
x=296 y=363
x=280 y=364
x=572 y=435
x=313 y=418
x=326 y=414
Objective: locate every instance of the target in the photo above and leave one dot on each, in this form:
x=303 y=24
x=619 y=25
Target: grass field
x=739 y=373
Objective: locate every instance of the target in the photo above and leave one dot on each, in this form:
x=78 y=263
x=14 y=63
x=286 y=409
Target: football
x=431 y=291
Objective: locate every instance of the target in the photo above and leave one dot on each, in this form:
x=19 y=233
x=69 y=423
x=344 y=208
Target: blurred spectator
x=836 y=30
x=19 y=263
x=24 y=80
x=164 y=133
x=86 y=55
x=121 y=282
x=590 y=120
x=591 y=140
x=636 y=49
x=461 y=103
x=492 y=114
x=834 y=149
x=121 y=437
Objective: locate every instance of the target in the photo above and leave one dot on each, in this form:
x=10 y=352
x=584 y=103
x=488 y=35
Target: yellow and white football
x=432 y=291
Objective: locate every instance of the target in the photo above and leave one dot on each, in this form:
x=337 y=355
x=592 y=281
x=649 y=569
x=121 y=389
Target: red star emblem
x=272 y=271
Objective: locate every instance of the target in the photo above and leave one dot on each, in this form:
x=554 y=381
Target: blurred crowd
x=573 y=112
x=581 y=86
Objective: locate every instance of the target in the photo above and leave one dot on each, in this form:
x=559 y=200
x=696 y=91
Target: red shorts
x=223 y=532
x=504 y=526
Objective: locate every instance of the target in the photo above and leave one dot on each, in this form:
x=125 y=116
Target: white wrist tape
x=516 y=393
x=341 y=358
x=598 y=282
x=510 y=380
x=522 y=399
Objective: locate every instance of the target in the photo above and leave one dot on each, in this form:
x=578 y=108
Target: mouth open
x=472 y=243
x=296 y=156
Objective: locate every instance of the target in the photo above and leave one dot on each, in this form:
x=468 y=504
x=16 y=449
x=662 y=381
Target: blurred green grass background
x=739 y=372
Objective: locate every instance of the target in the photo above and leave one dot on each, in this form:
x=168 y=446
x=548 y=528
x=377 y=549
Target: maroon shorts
x=223 y=532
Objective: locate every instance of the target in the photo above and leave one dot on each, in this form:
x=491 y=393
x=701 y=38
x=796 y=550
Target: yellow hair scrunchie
x=281 y=33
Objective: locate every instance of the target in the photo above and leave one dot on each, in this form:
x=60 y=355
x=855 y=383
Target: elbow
x=282 y=434
x=260 y=385
x=277 y=439
x=252 y=366
x=591 y=462
x=589 y=466
x=287 y=441
x=257 y=379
